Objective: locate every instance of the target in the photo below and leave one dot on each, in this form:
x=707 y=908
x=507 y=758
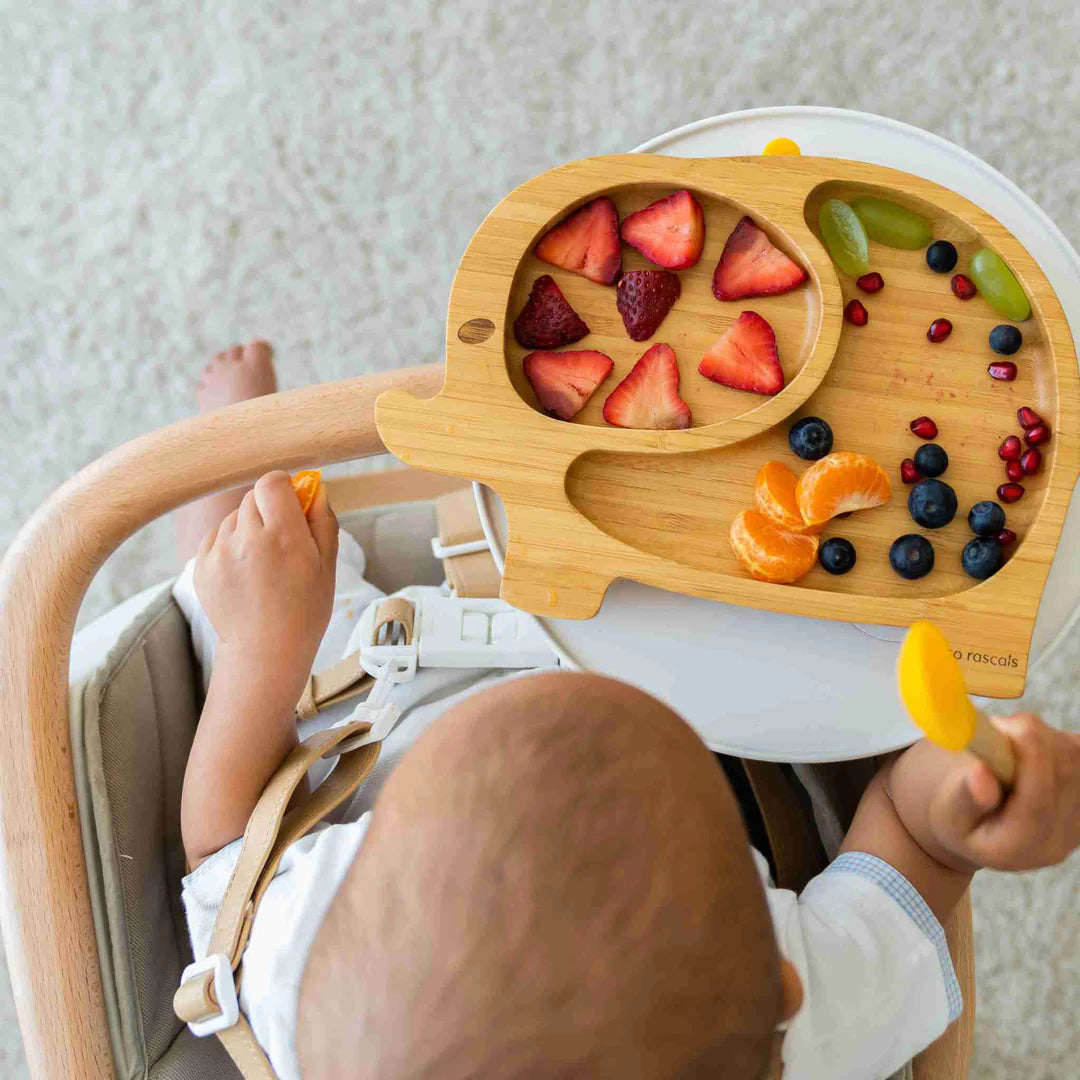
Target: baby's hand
x=266 y=580
x=1036 y=824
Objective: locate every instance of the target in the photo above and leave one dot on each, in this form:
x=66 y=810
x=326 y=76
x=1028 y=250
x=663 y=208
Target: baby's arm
x=937 y=817
x=265 y=577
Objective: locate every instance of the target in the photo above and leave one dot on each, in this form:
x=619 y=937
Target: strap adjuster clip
x=450 y=551
x=224 y=992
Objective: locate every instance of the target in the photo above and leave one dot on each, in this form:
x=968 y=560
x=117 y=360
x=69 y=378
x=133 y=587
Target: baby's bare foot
x=236 y=374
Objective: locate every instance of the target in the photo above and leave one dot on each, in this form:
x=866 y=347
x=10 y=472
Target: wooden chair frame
x=44 y=896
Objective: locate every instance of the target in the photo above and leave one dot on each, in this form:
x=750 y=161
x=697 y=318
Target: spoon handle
x=993 y=747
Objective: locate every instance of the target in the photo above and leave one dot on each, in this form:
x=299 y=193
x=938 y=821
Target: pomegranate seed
x=1010 y=449
x=963 y=287
x=1005 y=370
x=924 y=427
x=1009 y=493
x=1037 y=435
x=939 y=330
x=1014 y=470
x=1006 y=537
x=856 y=313
x=1028 y=417
x=871 y=283
x=1030 y=462
x=909 y=472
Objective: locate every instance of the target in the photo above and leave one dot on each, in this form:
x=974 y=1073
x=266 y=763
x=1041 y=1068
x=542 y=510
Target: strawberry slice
x=587 y=242
x=564 y=381
x=751 y=265
x=649 y=396
x=669 y=232
x=547 y=320
x=745 y=358
x=643 y=298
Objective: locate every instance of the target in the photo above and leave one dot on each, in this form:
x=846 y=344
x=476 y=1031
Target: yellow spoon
x=932 y=688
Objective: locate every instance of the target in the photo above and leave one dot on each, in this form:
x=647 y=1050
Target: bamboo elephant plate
x=588 y=503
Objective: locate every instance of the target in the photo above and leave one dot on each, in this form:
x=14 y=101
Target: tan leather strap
x=344 y=680
x=248 y=1056
x=474 y=574
x=271 y=828
x=394 y=610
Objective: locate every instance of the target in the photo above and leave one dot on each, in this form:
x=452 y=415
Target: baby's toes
x=258 y=358
x=258 y=351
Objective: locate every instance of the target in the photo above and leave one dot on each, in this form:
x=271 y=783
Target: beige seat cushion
x=132 y=724
x=132 y=727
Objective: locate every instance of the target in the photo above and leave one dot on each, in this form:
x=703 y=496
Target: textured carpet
x=177 y=176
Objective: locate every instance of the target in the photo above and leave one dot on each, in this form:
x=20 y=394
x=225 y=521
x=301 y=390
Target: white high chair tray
x=781 y=687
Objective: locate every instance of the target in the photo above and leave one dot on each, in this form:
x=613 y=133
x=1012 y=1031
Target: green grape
x=844 y=236
x=891 y=224
x=996 y=283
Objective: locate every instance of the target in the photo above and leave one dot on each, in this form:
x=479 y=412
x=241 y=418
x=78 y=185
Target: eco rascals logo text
x=1009 y=661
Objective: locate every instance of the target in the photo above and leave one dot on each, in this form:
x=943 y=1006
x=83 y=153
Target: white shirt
x=878 y=983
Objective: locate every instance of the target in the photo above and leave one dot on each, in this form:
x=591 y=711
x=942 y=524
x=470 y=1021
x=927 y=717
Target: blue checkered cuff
x=894 y=884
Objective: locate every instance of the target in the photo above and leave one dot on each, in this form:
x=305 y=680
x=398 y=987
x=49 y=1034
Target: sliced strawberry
x=745 y=358
x=649 y=396
x=547 y=320
x=751 y=265
x=669 y=232
x=643 y=298
x=564 y=381
x=587 y=242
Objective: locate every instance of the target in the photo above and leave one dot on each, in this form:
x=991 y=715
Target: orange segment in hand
x=774 y=496
x=769 y=552
x=306 y=484
x=840 y=483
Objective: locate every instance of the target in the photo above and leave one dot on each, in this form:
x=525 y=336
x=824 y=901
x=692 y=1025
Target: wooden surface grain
x=44 y=902
x=588 y=503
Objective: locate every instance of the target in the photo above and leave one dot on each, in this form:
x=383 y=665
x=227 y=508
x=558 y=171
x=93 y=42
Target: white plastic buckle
x=454 y=632
x=395 y=662
x=377 y=709
x=449 y=551
x=224 y=991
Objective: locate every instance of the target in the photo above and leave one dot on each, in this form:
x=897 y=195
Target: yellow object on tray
x=933 y=691
x=782 y=148
x=306 y=484
x=932 y=687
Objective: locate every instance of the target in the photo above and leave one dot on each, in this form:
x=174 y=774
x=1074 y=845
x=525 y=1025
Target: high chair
x=95 y=735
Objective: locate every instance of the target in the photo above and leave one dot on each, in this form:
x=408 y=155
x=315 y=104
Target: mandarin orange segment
x=306 y=484
x=774 y=496
x=840 y=483
x=770 y=553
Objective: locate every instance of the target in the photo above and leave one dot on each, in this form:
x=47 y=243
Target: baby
x=555 y=879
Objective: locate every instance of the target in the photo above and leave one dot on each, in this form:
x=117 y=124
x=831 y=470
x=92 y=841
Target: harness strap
x=470 y=571
x=347 y=678
x=468 y=565
x=344 y=680
x=271 y=828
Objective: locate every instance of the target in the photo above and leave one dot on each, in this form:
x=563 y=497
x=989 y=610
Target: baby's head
x=556 y=882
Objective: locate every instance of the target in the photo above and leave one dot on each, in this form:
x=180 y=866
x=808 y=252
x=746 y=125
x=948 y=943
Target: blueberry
x=981 y=557
x=941 y=256
x=912 y=556
x=837 y=555
x=932 y=503
x=1005 y=339
x=810 y=438
x=986 y=518
x=931 y=460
